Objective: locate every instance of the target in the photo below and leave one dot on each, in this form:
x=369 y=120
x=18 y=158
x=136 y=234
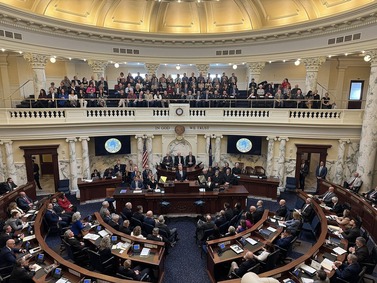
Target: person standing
x=304 y=170
x=36 y=174
x=320 y=174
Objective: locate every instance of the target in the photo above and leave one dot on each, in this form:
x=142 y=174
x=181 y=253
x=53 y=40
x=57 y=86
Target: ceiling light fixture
x=69 y=58
x=367 y=58
x=116 y=65
x=84 y=60
x=235 y=67
x=297 y=62
x=53 y=59
x=2 y=49
x=178 y=67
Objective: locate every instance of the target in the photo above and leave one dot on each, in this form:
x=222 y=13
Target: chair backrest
x=135 y=222
x=208 y=233
x=299 y=202
x=223 y=227
x=68 y=248
x=254 y=268
x=361 y=275
x=95 y=260
x=147 y=228
x=110 y=192
x=272 y=260
x=63 y=183
x=259 y=170
x=123 y=276
x=233 y=221
x=249 y=170
x=163 y=233
x=357 y=189
x=290 y=181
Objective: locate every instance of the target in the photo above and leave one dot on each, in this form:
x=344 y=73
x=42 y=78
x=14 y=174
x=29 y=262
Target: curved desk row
x=359 y=207
x=283 y=271
x=75 y=272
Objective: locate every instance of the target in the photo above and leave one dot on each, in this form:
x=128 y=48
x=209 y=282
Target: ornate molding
x=313 y=64
x=36 y=60
x=98 y=66
x=152 y=68
x=255 y=68
x=71 y=139
x=203 y=68
x=373 y=56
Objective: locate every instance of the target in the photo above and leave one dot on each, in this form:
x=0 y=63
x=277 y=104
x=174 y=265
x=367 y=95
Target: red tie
x=27 y=200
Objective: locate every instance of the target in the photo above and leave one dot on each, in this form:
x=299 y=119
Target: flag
x=210 y=153
x=145 y=154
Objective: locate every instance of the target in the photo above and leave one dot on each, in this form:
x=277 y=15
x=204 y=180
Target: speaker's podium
x=177 y=187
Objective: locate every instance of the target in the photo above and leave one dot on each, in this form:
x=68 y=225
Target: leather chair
x=259 y=171
x=249 y=170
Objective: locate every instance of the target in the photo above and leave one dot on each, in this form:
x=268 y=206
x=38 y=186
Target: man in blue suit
x=24 y=202
x=137 y=184
x=320 y=173
x=285 y=240
x=348 y=272
x=7 y=254
x=180 y=174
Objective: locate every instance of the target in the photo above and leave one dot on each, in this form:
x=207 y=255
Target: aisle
x=183 y=264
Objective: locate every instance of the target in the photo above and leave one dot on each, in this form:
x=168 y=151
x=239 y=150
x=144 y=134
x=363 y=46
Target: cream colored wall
x=356 y=73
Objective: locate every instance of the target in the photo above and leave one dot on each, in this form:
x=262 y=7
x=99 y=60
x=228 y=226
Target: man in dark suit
x=24 y=202
x=348 y=272
x=78 y=248
x=337 y=208
x=178 y=159
x=7 y=235
x=139 y=213
x=180 y=174
x=228 y=211
x=229 y=177
x=167 y=160
x=307 y=210
x=220 y=218
x=190 y=160
x=114 y=222
x=285 y=239
x=22 y=272
x=135 y=273
x=248 y=262
x=125 y=227
x=304 y=170
x=171 y=233
x=236 y=170
x=282 y=210
x=119 y=168
x=259 y=211
x=149 y=218
x=217 y=178
x=360 y=250
x=127 y=210
x=36 y=174
x=209 y=185
x=351 y=233
x=371 y=195
x=204 y=225
x=327 y=197
x=7 y=253
x=320 y=173
x=137 y=184
x=10 y=185
x=53 y=219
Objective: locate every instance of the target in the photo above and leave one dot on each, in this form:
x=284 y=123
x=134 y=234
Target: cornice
x=346 y=21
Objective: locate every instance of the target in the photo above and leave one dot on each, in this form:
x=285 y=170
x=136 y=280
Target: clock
x=179 y=111
x=244 y=145
x=113 y=145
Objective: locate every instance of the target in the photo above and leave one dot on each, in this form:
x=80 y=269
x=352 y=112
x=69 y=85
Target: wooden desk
x=192 y=172
x=260 y=187
x=7 y=198
x=96 y=189
x=182 y=202
x=359 y=206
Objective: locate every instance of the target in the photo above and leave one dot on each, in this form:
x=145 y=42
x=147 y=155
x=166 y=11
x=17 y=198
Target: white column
x=208 y=141
x=152 y=68
x=339 y=168
x=2 y=171
x=218 y=148
x=255 y=69
x=351 y=158
x=281 y=162
x=4 y=102
x=149 y=146
x=368 y=142
x=140 y=145
x=203 y=68
x=73 y=166
x=312 y=66
x=85 y=157
x=270 y=155
x=98 y=68
x=11 y=169
x=38 y=64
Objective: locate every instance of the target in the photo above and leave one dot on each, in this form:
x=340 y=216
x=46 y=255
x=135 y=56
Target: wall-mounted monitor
x=245 y=145
x=112 y=145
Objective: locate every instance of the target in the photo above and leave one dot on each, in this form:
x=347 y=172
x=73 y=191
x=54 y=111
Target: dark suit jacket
x=229 y=178
x=282 y=211
x=210 y=187
x=242 y=269
x=323 y=172
x=168 y=160
x=327 y=196
x=10 y=186
x=23 y=204
x=258 y=214
x=75 y=244
x=218 y=179
x=337 y=208
x=229 y=214
x=140 y=185
x=125 y=230
x=51 y=218
x=127 y=212
x=307 y=213
x=180 y=177
x=114 y=224
x=362 y=254
x=5 y=237
x=351 y=234
x=187 y=160
x=129 y=273
x=284 y=242
x=178 y=160
x=348 y=272
x=20 y=274
x=220 y=220
x=7 y=256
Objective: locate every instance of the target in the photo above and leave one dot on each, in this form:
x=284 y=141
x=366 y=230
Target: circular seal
x=179 y=130
x=244 y=145
x=179 y=111
x=113 y=145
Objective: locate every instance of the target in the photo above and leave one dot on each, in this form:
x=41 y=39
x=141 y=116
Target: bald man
x=247 y=263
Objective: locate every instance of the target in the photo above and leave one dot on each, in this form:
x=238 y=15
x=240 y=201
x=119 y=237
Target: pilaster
x=73 y=165
x=38 y=63
x=312 y=66
x=98 y=67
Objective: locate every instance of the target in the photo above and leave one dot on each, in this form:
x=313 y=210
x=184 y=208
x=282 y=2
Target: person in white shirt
x=354 y=182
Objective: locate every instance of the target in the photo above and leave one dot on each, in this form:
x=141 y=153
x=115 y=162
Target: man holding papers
x=349 y=271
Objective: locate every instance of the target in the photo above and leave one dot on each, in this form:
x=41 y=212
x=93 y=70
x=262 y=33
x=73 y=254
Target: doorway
x=312 y=154
x=46 y=157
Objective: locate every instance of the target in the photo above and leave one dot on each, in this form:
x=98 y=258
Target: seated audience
x=10 y=185
x=217 y=178
x=7 y=234
x=259 y=211
x=127 y=210
x=64 y=215
x=135 y=273
x=282 y=210
x=136 y=183
x=171 y=233
x=336 y=207
x=236 y=170
x=285 y=239
x=353 y=183
x=307 y=210
x=167 y=160
x=149 y=218
x=125 y=227
x=204 y=225
x=13 y=207
x=231 y=231
x=104 y=249
x=138 y=214
x=228 y=211
x=347 y=271
x=152 y=183
x=7 y=253
x=105 y=205
x=371 y=195
x=96 y=174
x=360 y=250
x=53 y=219
x=15 y=222
x=321 y=277
x=247 y=262
x=249 y=217
x=242 y=227
x=209 y=185
x=114 y=222
x=136 y=232
x=345 y=219
x=22 y=272
x=220 y=218
x=66 y=204
x=266 y=251
x=327 y=197
x=178 y=159
x=294 y=224
x=351 y=233
x=76 y=246
x=24 y=202
x=77 y=225
x=228 y=177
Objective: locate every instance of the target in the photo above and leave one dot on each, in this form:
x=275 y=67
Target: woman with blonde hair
x=13 y=207
x=137 y=233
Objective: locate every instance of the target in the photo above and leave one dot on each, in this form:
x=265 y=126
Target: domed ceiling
x=187 y=16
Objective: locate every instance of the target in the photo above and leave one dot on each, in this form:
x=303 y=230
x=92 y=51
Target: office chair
x=360 y=277
x=145 y=277
x=223 y=228
x=271 y=261
x=233 y=221
x=284 y=253
x=106 y=267
x=259 y=171
x=255 y=269
x=290 y=184
x=311 y=227
x=79 y=257
x=249 y=170
x=146 y=228
x=63 y=186
x=135 y=222
x=5 y=273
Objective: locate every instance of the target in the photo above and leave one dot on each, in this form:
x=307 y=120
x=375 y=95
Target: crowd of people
x=198 y=91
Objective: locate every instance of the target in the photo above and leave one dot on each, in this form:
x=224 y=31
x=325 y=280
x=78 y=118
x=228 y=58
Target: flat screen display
x=112 y=145
x=245 y=145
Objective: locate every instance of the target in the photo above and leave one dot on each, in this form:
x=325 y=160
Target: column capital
x=344 y=141
x=150 y=136
x=283 y=139
x=71 y=139
x=271 y=138
x=152 y=68
x=373 y=56
x=6 y=142
x=36 y=60
x=313 y=63
x=98 y=65
x=217 y=136
x=255 y=67
x=142 y=136
x=84 y=138
x=203 y=68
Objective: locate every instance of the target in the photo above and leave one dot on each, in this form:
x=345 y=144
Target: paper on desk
x=103 y=233
x=327 y=264
x=306 y=280
x=91 y=236
x=272 y=229
x=339 y=250
x=145 y=252
x=62 y=280
x=137 y=191
x=36 y=267
x=28 y=238
x=121 y=246
x=281 y=223
x=251 y=241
